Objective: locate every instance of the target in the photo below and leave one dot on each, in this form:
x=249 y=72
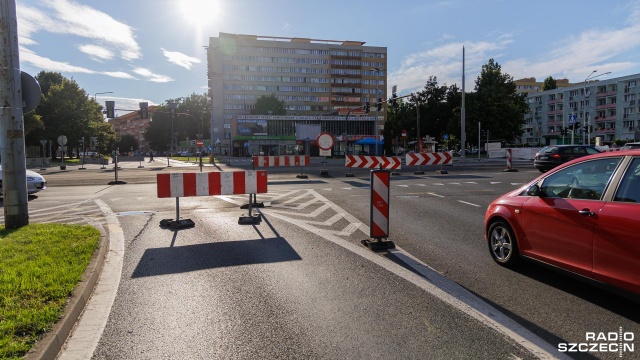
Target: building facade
x=530 y=85
x=133 y=124
x=608 y=109
x=312 y=77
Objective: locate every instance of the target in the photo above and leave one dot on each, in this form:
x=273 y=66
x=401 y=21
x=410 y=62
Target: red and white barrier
x=211 y=183
x=284 y=160
x=371 y=162
x=509 y=168
x=379 y=216
x=443 y=158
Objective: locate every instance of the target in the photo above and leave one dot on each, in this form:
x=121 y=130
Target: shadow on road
x=181 y=259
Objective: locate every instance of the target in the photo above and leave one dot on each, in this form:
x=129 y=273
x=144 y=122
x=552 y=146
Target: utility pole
x=12 y=150
x=463 y=134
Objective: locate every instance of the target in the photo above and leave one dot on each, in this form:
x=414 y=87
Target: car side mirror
x=534 y=190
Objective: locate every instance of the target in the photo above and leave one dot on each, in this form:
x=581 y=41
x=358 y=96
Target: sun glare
x=200 y=13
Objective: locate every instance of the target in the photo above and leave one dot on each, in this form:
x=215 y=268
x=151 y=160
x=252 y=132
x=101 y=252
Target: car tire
x=503 y=245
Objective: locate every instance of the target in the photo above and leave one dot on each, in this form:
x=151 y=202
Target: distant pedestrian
x=151 y=157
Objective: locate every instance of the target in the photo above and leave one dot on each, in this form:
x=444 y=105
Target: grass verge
x=40 y=265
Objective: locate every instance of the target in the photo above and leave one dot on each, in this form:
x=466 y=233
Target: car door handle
x=586 y=212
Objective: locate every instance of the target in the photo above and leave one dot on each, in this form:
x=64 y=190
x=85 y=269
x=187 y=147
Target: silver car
x=35 y=182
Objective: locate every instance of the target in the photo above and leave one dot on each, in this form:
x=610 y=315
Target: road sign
x=200 y=143
x=325 y=141
x=572 y=119
x=62 y=140
x=404 y=133
x=445 y=136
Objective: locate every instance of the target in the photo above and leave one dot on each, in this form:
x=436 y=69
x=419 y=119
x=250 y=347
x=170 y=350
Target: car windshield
x=585 y=180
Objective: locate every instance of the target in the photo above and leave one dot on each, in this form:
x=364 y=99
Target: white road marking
x=516 y=183
x=403 y=186
x=432 y=282
x=440 y=196
x=468 y=203
x=471 y=182
x=441 y=184
x=495 y=182
x=420 y=184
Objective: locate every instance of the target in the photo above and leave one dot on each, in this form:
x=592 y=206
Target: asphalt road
x=300 y=284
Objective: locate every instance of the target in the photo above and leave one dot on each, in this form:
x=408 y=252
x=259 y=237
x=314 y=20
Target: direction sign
x=62 y=140
x=325 y=141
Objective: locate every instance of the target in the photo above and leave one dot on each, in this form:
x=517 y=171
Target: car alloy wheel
x=502 y=244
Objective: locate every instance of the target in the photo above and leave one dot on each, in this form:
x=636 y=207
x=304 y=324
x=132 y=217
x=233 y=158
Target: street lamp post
x=378 y=104
x=172 y=107
x=95 y=96
x=584 y=90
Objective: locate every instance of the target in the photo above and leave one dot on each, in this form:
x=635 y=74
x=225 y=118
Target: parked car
x=554 y=155
x=35 y=182
x=631 y=145
x=581 y=217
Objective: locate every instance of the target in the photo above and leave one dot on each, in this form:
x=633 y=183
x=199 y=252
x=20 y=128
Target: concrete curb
x=50 y=345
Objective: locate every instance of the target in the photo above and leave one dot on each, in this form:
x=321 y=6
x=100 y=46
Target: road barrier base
x=302 y=176
x=510 y=170
x=117 y=182
x=418 y=172
x=250 y=220
x=179 y=224
x=442 y=171
x=324 y=172
x=395 y=173
x=349 y=175
x=254 y=204
x=379 y=244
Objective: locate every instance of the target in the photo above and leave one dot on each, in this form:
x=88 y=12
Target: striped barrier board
x=283 y=160
x=371 y=162
x=212 y=183
x=379 y=212
x=443 y=158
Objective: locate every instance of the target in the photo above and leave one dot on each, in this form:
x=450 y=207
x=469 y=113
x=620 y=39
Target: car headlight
x=31 y=178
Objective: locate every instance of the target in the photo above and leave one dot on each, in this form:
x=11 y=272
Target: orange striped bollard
x=379 y=212
x=509 y=168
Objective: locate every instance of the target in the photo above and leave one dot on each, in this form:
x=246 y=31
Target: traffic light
x=394 y=101
x=562 y=131
x=144 y=110
x=379 y=104
x=111 y=108
x=590 y=129
x=367 y=107
x=586 y=128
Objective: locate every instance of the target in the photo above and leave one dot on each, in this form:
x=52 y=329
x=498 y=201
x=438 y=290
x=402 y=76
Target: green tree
x=269 y=105
x=549 y=84
x=65 y=109
x=190 y=120
x=496 y=104
x=127 y=143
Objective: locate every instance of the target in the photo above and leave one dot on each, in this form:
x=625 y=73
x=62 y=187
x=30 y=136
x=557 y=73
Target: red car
x=582 y=217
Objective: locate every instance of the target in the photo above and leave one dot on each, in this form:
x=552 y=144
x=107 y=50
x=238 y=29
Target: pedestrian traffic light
x=562 y=131
x=111 y=108
x=379 y=104
x=367 y=107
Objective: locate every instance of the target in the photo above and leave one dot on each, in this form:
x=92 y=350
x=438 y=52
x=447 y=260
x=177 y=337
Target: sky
x=154 y=50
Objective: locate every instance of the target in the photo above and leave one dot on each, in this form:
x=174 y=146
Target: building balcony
x=606 y=106
x=606 y=93
x=555 y=112
x=556 y=101
x=556 y=123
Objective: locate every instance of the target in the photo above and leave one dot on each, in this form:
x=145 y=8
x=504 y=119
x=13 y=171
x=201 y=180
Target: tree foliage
x=66 y=109
x=549 y=84
x=190 y=121
x=127 y=143
x=496 y=105
x=269 y=105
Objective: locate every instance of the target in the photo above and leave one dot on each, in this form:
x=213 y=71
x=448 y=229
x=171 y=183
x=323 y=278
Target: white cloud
x=120 y=74
x=150 y=76
x=44 y=63
x=96 y=52
x=69 y=17
x=180 y=59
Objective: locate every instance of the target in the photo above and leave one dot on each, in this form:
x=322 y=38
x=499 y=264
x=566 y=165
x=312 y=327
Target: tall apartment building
x=312 y=77
x=610 y=106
